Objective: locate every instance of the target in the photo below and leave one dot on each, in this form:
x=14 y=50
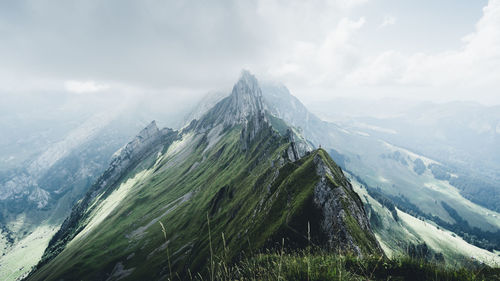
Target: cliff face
x=243 y=107
x=230 y=183
x=344 y=220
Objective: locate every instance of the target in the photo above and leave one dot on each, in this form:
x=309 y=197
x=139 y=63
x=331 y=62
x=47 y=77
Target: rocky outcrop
x=291 y=152
x=245 y=100
x=40 y=197
x=131 y=153
x=243 y=107
x=344 y=221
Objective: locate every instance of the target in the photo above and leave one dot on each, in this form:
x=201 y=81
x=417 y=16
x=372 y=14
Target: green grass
x=222 y=166
x=318 y=266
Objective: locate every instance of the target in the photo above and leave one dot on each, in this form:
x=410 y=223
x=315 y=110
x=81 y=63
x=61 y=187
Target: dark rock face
x=344 y=220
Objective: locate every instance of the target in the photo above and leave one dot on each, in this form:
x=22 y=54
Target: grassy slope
x=247 y=203
x=396 y=178
x=393 y=235
x=324 y=267
x=26 y=253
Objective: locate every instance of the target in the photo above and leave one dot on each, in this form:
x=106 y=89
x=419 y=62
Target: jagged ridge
x=244 y=180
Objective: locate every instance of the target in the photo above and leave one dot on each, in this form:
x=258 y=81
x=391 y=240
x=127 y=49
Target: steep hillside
x=404 y=176
x=398 y=231
x=227 y=184
x=37 y=194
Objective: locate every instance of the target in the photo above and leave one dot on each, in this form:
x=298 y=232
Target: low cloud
x=472 y=68
x=80 y=87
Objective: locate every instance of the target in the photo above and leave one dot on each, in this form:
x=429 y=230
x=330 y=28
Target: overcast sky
x=431 y=50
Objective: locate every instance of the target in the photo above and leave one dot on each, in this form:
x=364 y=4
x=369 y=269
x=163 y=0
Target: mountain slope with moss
x=228 y=185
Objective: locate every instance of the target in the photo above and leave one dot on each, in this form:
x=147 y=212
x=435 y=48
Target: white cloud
x=318 y=48
x=319 y=62
x=459 y=73
x=388 y=20
x=80 y=87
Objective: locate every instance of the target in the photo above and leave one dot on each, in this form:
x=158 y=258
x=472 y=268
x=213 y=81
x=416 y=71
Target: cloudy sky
x=429 y=50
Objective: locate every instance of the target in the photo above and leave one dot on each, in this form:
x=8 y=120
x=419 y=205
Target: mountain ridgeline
x=234 y=182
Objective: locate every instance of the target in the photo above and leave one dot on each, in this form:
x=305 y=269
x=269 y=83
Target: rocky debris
x=119 y=272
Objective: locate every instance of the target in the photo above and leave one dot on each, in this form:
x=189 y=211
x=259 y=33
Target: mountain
x=395 y=177
x=227 y=184
x=463 y=136
x=51 y=152
x=36 y=195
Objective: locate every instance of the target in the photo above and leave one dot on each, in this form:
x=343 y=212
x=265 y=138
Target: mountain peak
x=243 y=105
x=246 y=97
x=247 y=84
x=149 y=130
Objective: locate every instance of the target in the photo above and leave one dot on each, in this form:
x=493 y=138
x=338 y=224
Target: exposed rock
x=243 y=107
x=40 y=197
x=130 y=153
x=119 y=272
x=344 y=220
